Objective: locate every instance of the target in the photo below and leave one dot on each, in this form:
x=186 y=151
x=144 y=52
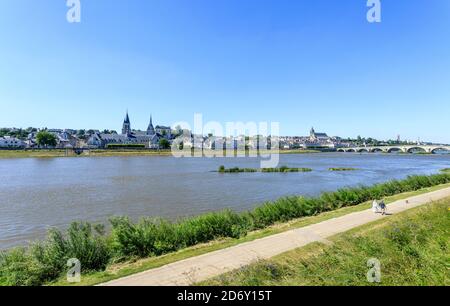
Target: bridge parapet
x=390 y=149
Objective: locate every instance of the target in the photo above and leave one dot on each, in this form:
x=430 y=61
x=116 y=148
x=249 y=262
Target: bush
x=149 y=237
x=80 y=241
x=17 y=268
x=47 y=261
x=153 y=237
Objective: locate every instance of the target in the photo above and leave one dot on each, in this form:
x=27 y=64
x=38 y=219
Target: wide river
x=37 y=194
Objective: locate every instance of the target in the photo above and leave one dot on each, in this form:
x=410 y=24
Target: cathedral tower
x=126 y=127
x=151 y=129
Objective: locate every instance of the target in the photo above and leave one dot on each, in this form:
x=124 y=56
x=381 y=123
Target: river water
x=37 y=194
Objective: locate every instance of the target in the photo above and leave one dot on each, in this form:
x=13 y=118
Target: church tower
x=151 y=129
x=312 y=134
x=126 y=127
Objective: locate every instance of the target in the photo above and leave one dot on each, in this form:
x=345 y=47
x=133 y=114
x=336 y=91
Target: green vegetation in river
x=282 y=169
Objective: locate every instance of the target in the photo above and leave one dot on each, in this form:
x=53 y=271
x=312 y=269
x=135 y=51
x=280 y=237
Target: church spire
x=312 y=133
x=150 y=129
x=126 y=127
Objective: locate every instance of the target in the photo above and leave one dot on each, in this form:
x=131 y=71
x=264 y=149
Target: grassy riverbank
x=412 y=247
x=123 y=152
x=70 y=153
x=45 y=262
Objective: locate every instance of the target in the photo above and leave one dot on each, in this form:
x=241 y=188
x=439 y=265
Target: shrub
x=17 y=268
x=81 y=241
x=211 y=226
x=152 y=237
x=47 y=261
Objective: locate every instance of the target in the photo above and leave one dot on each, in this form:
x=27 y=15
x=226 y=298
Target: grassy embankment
x=123 y=152
x=71 y=153
x=106 y=257
x=412 y=247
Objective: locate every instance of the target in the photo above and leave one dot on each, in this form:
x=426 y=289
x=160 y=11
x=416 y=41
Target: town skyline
x=162 y=131
x=132 y=127
x=335 y=71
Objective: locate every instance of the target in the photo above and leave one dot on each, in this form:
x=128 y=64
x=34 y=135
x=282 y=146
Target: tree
x=359 y=140
x=46 y=139
x=4 y=132
x=164 y=144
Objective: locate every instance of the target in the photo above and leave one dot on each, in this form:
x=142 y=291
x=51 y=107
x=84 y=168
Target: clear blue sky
x=301 y=62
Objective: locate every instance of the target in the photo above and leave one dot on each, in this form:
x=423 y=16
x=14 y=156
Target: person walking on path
x=375 y=207
x=383 y=207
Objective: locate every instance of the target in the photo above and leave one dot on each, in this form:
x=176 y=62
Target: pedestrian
x=375 y=207
x=383 y=207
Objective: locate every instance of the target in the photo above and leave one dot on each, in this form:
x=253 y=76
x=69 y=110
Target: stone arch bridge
x=400 y=148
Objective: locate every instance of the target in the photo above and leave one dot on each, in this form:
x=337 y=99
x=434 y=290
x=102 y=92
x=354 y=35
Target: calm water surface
x=36 y=194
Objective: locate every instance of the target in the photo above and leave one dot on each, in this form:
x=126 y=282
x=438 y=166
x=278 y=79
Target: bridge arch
x=363 y=150
x=351 y=150
x=435 y=150
x=416 y=149
x=394 y=150
x=340 y=150
x=376 y=150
